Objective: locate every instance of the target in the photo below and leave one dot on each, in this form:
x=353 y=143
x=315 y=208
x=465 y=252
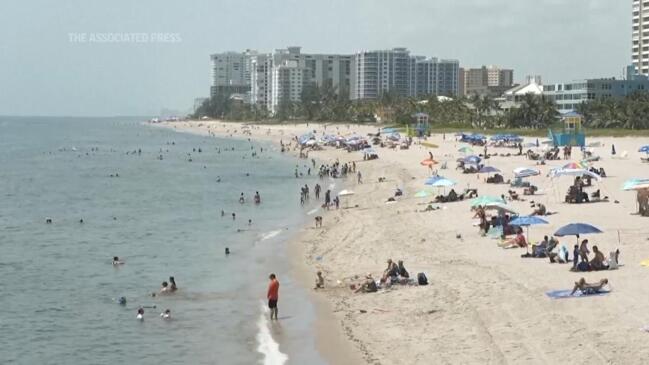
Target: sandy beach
x=483 y=304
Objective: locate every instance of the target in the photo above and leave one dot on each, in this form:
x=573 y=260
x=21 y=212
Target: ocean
x=162 y=217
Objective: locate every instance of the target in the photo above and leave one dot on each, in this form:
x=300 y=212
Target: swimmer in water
x=222 y=213
x=117 y=261
x=227 y=251
x=234 y=216
x=242 y=199
x=165 y=287
x=140 y=314
x=173 y=287
x=166 y=314
x=121 y=300
x=250 y=222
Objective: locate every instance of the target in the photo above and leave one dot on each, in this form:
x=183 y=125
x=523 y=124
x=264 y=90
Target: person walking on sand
x=360 y=178
x=273 y=296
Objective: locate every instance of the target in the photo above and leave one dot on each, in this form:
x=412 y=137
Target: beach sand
x=483 y=304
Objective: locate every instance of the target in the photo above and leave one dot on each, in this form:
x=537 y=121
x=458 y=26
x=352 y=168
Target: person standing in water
x=273 y=296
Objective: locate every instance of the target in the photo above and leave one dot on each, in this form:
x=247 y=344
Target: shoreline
x=484 y=304
x=330 y=339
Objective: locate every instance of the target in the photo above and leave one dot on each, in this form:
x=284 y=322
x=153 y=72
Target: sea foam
x=267 y=345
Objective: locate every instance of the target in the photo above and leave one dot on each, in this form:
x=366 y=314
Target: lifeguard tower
x=420 y=126
x=572 y=134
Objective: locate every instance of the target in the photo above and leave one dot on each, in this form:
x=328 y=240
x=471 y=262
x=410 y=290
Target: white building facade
x=640 y=36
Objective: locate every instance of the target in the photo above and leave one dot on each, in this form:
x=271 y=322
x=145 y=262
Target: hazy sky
x=45 y=72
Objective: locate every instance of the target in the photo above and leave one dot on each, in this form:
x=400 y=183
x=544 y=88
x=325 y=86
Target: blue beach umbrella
x=575 y=229
x=432 y=179
x=473 y=159
x=443 y=182
x=527 y=221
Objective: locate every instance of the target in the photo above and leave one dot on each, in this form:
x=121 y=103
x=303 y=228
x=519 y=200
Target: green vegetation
x=534 y=115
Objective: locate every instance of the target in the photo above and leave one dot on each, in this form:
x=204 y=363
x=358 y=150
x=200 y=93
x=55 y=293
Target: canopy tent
x=526 y=172
x=573 y=172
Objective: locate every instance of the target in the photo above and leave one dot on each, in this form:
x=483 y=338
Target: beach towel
x=565 y=293
x=644 y=262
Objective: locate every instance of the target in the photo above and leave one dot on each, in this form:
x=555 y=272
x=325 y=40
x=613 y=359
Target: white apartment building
x=640 y=36
x=317 y=69
x=375 y=73
x=231 y=72
x=288 y=80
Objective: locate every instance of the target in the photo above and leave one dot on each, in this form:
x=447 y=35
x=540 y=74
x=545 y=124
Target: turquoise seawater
x=163 y=218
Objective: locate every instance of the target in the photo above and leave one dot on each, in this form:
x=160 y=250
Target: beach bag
x=583 y=266
x=422 y=279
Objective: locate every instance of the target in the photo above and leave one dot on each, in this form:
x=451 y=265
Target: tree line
x=327 y=104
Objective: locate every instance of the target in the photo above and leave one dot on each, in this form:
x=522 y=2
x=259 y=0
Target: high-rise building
x=435 y=77
x=231 y=72
x=375 y=73
x=640 y=36
x=288 y=81
x=322 y=70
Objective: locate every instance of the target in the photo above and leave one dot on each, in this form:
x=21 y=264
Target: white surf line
x=271 y=234
x=267 y=345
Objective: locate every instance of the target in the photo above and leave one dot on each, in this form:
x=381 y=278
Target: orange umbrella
x=428 y=162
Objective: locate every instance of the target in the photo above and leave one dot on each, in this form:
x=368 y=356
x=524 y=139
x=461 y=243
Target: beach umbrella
x=500 y=207
x=635 y=184
x=432 y=179
x=527 y=221
x=526 y=172
x=443 y=182
x=428 y=162
x=488 y=170
x=575 y=165
x=465 y=150
x=486 y=200
x=573 y=172
x=473 y=159
x=576 y=229
x=423 y=194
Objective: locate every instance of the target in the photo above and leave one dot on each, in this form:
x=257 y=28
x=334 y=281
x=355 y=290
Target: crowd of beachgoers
x=445 y=206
